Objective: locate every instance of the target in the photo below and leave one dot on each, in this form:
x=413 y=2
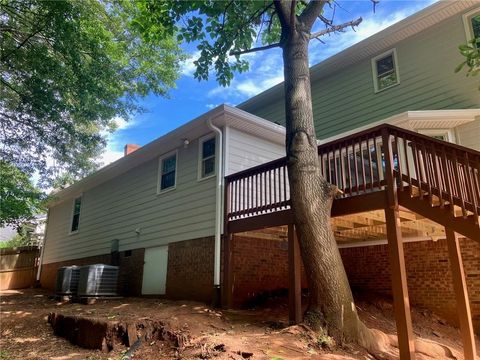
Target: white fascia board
x=413 y=119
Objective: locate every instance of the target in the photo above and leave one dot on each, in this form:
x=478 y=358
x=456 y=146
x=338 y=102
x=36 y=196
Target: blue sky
x=192 y=98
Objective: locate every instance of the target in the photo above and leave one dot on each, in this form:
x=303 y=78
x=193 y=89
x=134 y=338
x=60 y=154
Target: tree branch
x=293 y=16
x=311 y=12
x=5 y=57
x=336 y=28
x=260 y=48
x=283 y=12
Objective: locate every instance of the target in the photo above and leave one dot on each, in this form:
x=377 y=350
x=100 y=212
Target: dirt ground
x=261 y=333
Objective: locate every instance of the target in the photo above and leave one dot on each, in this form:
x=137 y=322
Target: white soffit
x=417 y=120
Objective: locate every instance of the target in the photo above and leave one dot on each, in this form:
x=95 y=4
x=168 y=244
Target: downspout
x=39 y=270
x=218 y=212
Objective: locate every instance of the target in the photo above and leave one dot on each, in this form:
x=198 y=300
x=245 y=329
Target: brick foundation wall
x=260 y=263
x=129 y=276
x=190 y=270
x=429 y=278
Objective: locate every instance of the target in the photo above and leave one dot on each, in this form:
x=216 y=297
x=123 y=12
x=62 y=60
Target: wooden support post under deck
x=406 y=340
x=461 y=295
x=228 y=271
x=294 y=278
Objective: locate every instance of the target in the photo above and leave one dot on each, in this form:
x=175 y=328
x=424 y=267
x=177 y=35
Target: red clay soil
x=205 y=333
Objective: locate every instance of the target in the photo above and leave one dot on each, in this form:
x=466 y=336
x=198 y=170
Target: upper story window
x=207 y=157
x=167 y=172
x=385 y=70
x=77 y=205
x=472 y=25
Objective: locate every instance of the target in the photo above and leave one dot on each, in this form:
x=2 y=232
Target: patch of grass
x=325 y=341
x=4 y=354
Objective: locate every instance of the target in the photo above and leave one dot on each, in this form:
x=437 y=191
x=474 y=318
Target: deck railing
x=444 y=173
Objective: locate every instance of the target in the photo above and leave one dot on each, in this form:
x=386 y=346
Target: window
x=472 y=25
x=77 y=204
x=207 y=157
x=167 y=172
x=385 y=70
x=439 y=134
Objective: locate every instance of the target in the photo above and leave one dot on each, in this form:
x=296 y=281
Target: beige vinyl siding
x=469 y=134
x=245 y=151
x=116 y=208
x=346 y=99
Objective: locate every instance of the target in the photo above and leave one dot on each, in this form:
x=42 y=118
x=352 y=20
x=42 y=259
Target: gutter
x=218 y=211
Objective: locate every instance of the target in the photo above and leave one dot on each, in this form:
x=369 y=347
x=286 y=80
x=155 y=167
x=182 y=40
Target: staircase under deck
x=395 y=184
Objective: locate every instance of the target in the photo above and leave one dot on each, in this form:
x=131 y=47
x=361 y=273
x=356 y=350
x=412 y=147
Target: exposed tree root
x=379 y=345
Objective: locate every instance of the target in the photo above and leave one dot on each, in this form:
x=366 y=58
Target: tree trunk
x=331 y=308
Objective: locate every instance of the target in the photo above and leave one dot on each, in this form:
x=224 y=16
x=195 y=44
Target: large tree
x=223 y=31
x=67 y=69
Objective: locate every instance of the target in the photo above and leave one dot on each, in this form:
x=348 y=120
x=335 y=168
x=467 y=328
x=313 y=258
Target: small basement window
x=167 y=172
x=207 y=158
x=385 y=70
x=472 y=25
x=77 y=205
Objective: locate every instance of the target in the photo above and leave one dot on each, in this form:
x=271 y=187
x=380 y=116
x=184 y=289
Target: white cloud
x=268 y=73
x=187 y=67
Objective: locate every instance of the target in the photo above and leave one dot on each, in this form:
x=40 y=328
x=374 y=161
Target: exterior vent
x=67 y=280
x=98 y=280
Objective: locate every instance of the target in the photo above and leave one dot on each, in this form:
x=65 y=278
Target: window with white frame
x=439 y=134
x=385 y=70
x=167 y=172
x=207 y=157
x=77 y=205
x=472 y=25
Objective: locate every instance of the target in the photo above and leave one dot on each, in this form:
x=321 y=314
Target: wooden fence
x=18 y=267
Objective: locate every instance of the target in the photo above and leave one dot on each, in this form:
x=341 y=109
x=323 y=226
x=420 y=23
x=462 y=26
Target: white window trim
x=200 y=159
x=159 y=173
x=374 y=69
x=467 y=24
x=70 y=232
x=439 y=131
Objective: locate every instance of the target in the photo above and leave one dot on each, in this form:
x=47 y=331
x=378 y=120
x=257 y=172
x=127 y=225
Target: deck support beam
x=294 y=278
x=461 y=294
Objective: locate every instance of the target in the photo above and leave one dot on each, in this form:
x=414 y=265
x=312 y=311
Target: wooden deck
x=387 y=177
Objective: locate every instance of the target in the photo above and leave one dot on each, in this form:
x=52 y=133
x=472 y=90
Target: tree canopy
x=67 y=68
x=19 y=198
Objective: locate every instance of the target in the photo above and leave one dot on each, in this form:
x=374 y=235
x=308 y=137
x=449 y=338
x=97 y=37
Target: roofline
x=315 y=70
x=149 y=151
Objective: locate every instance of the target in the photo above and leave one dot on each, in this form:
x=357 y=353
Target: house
x=162 y=210
x=162 y=200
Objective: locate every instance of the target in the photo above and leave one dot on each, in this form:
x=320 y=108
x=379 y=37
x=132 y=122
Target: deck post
x=228 y=271
x=294 y=278
x=461 y=294
x=403 y=320
x=406 y=340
